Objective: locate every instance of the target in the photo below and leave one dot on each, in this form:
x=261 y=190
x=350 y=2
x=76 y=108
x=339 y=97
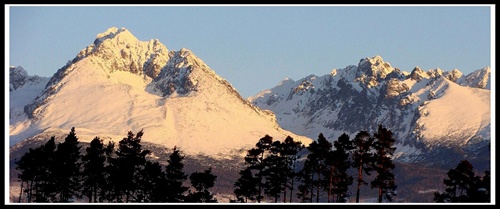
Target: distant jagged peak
x=453 y=75
x=417 y=74
x=18 y=77
x=479 y=78
x=375 y=66
x=377 y=59
x=333 y=72
x=286 y=80
x=122 y=34
x=17 y=71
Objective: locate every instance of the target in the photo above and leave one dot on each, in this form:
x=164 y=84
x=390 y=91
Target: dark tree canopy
x=462 y=185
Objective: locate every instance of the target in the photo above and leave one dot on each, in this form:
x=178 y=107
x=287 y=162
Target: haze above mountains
x=119 y=83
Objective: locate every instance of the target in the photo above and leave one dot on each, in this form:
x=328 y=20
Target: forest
x=274 y=171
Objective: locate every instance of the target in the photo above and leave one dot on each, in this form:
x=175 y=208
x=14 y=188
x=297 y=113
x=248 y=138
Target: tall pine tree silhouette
x=94 y=172
x=341 y=161
x=245 y=187
x=290 y=150
x=275 y=174
x=130 y=159
x=255 y=161
x=363 y=158
x=68 y=168
x=383 y=165
x=320 y=150
x=175 y=176
x=36 y=169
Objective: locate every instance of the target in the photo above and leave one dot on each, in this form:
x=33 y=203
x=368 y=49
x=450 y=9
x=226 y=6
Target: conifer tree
x=67 y=170
x=174 y=173
x=94 y=170
x=130 y=159
x=320 y=150
x=289 y=151
x=463 y=186
x=46 y=189
x=255 y=161
x=383 y=165
x=36 y=171
x=245 y=187
x=362 y=158
x=202 y=182
x=276 y=171
x=340 y=159
x=152 y=183
x=110 y=192
x=306 y=186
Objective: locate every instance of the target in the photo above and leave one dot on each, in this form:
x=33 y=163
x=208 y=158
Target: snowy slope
x=119 y=83
x=424 y=109
x=458 y=115
x=23 y=89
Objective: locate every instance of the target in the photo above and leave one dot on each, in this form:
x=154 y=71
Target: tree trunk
x=21 y=191
x=360 y=179
x=379 y=194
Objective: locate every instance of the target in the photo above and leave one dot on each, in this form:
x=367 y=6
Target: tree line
x=272 y=169
x=276 y=170
x=60 y=173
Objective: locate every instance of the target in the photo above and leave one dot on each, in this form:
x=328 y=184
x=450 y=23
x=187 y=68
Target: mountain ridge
x=411 y=105
x=119 y=83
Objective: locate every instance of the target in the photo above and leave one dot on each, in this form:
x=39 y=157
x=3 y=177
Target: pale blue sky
x=254 y=47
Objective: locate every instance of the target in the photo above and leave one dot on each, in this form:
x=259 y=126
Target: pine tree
x=362 y=158
x=306 y=186
x=110 y=191
x=68 y=168
x=152 y=183
x=36 y=170
x=174 y=173
x=202 y=182
x=276 y=171
x=289 y=151
x=245 y=187
x=93 y=170
x=340 y=180
x=130 y=159
x=46 y=189
x=383 y=165
x=320 y=150
x=255 y=161
x=464 y=186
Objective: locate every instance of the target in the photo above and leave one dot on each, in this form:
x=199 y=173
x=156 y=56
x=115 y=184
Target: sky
x=254 y=47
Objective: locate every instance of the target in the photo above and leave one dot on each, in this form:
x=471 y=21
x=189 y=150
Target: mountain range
x=428 y=111
x=119 y=84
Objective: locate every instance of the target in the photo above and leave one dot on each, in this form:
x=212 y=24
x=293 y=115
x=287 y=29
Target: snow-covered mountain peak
x=479 y=78
x=123 y=35
x=119 y=50
x=454 y=75
x=119 y=84
x=333 y=72
x=18 y=77
x=186 y=73
x=372 y=70
x=375 y=66
x=420 y=108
